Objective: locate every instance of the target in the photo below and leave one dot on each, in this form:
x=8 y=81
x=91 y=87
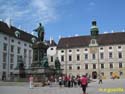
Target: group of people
x=70 y=81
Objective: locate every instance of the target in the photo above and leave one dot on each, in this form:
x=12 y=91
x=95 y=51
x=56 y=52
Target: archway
x=94 y=75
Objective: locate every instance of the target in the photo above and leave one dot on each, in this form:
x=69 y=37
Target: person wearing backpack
x=84 y=82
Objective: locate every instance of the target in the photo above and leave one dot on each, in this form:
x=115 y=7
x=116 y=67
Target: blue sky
x=65 y=17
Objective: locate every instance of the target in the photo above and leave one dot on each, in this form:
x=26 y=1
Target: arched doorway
x=94 y=75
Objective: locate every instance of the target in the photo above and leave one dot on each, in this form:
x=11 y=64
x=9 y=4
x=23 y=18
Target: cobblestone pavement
x=116 y=86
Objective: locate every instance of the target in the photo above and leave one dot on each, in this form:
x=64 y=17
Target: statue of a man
x=40 y=31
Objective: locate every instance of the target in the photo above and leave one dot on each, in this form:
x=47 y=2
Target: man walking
x=84 y=83
x=100 y=79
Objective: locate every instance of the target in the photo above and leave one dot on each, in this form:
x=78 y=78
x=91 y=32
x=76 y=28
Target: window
x=12 y=58
x=93 y=56
x=5 y=38
x=70 y=67
x=70 y=50
x=86 y=56
x=119 y=54
x=102 y=66
x=101 y=48
x=18 y=50
x=4 y=65
x=120 y=64
x=86 y=66
x=51 y=48
x=19 y=58
x=94 y=66
x=77 y=50
x=18 y=42
x=110 y=55
x=51 y=58
x=25 y=44
x=12 y=40
x=86 y=49
x=17 y=34
x=119 y=47
x=4 y=57
x=70 y=58
x=62 y=58
x=111 y=65
x=78 y=57
x=78 y=67
x=12 y=48
x=4 y=47
x=62 y=51
x=101 y=55
x=30 y=46
x=11 y=66
x=33 y=40
x=25 y=52
x=110 y=47
x=29 y=53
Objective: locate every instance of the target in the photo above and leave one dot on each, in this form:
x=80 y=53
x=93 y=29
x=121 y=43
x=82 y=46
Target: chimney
x=50 y=40
x=8 y=22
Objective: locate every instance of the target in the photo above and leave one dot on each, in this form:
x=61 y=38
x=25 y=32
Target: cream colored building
x=104 y=55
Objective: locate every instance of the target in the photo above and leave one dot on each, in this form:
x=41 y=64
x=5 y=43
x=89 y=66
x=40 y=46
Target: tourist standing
x=31 y=81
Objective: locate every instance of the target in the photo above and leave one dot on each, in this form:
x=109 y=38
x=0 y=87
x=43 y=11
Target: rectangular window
x=110 y=55
x=18 y=50
x=62 y=58
x=25 y=52
x=78 y=67
x=86 y=56
x=70 y=58
x=120 y=64
x=101 y=55
x=19 y=58
x=29 y=53
x=12 y=48
x=12 y=58
x=4 y=57
x=4 y=47
x=94 y=66
x=78 y=57
x=11 y=66
x=111 y=65
x=70 y=67
x=86 y=66
x=4 y=65
x=119 y=54
x=93 y=56
x=102 y=66
x=51 y=58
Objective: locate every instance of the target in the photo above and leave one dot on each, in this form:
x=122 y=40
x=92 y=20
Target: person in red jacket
x=84 y=82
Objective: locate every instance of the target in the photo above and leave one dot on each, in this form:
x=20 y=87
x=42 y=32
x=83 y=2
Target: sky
x=64 y=18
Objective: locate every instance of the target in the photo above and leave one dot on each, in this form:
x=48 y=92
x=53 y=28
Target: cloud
x=91 y=6
x=37 y=10
x=91 y=3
